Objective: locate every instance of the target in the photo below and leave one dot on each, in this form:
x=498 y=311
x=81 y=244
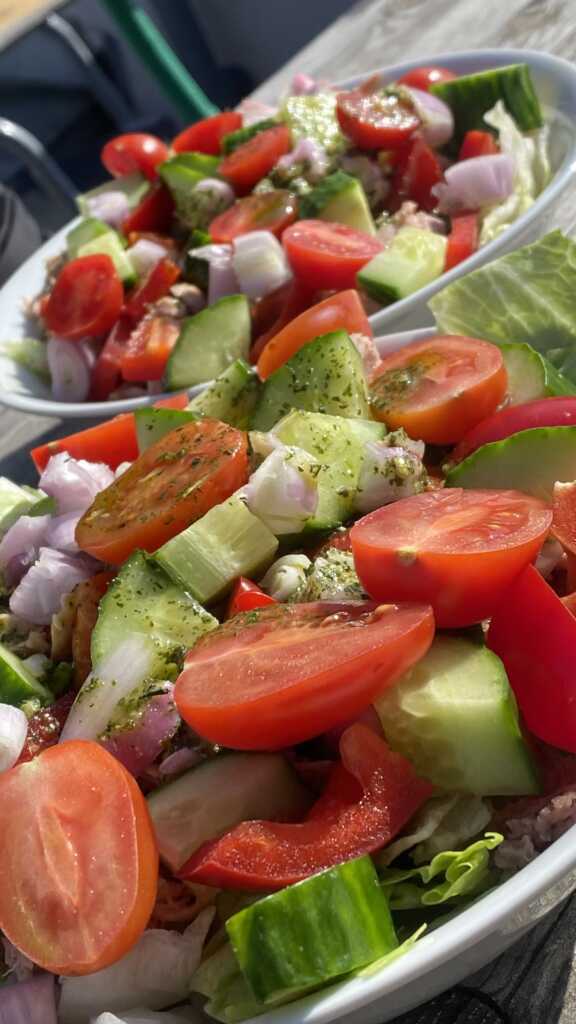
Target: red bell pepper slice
x=106 y=373
x=246 y=596
x=148 y=347
x=153 y=213
x=417 y=170
x=462 y=240
x=369 y=798
x=156 y=284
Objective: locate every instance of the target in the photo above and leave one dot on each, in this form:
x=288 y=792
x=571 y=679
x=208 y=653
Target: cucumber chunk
x=341 y=198
x=17 y=684
x=326 y=376
x=209 y=342
x=471 y=96
x=313 y=932
x=86 y=231
x=414 y=258
x=209 y=800
x=152 y=424
x=224 y=544
x=231 y=397
x=110 y=245
x=232 y=140
x=455 y=718
x=530 y=375
x=16 y=501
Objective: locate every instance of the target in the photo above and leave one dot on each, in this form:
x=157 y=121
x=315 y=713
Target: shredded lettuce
x=445 y=821
x=448 y=875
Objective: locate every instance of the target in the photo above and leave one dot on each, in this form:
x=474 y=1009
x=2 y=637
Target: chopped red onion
x=61 y=533
x=253 y=111
x=260 y=264
x=369 y=354
x=19 y=966
x=473 y=184
x=13 y=732
x=310 y=152
x=145 y=254
x=370 y=174
x=29 y=1002
x=69 y=370
x=387 y=474
x=74 y=483
x=39 y=594
x=303 y=85
x=20 y=545
x=222 y=279
x=437 y=120
x=179 y=761
x=220 y=190
x=138 y=745
x=112 y=207
x=283 y=492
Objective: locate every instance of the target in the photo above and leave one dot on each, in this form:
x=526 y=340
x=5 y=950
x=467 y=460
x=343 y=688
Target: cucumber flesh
x=209 y=800
x=325 y=376
x=230 y=398
x=152 y=424
x=414 y=258
x=313 y=932
x=86 y=231
x=209 y=342
x=110 y=245
x=530 y=375
x=455 y=718
x=471 y=96
x=340 y=198
x=17 y=684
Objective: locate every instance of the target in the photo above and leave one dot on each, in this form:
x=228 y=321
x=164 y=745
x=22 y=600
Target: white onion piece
x=286 y=576
x=74 y=483
x=387 y=474
x=283 y=492
x=138 y=745
x=473 y=184
x=220 y=190
x=145 y=254
x=437 y=120
x=121 y=469
x=369 y=354
x=222 y=280
x=29 y=1002
x=13 y=732
x=61 y=533
x=112 y=207
x=25 y=537
x=69 y=370
x=310 y=152
x=39 y=594
x=253 y=111
x=108 y=683
x=260 y=264
x=303 y=85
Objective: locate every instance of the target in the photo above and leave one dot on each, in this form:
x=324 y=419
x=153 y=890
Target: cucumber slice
x=152 y=424
x=471 y=96
x=314 y=117
x=530 y=375
x=209 y=342
x=143 y=600
x=134 y=187
x=232 y=140
x=230 y=398
x=86 y=231
x=324 y=376
x=413 y=259
x=17 y=684
x=209 y=555
x=16 y=501
x=313 y=932
x=110 y=245
x=455 y=718
x=220 y=793
x=339 y=197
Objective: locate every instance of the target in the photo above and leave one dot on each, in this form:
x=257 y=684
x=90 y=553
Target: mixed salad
x=378 y=190
x=287 y=671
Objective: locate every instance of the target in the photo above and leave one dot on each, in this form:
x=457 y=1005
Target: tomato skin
x=417 y=171
x=148 y=348
x=247 y=596
x=328 y=255
x=273 y=312
x=106 y=374
x=535 y=636
x=206 y=136
x=462 y=240
x=173 y=483
x=542 y=412
x=86 y=598
x=343 y=311
x=476 y=143
x=374 y=120
x=153 y=213
x=564 y=513
x=134 y=152
x=454 y=549
x=157 y=283
x=342 y=671
x=423 y=78
x=440 y=388
x=265 y=211
x=86 y=298
x=369 y=797
x=247 y=164
x=78 y=863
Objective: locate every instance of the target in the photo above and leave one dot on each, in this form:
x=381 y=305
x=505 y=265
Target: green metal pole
x=173 y=78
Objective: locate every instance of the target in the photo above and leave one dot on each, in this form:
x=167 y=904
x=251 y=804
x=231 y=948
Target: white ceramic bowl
x=555 y=81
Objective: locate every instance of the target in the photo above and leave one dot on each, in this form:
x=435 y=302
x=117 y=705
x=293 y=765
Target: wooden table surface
x=535 y=982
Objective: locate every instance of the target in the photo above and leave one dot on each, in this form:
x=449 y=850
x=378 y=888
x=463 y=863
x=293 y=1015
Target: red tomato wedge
x=173 y=483
x=265 y=211
x=247 y=596
x=134 y=152
x=454 y=549
x=153 y=213
x=462 y=240
x=271 y=313
x=542 y=412
x=85 y=300
x=157 y=283
x=423 y=78
x=375 y=120
x=438 y=389
x=476 y=143
x=286 y=673
x=206 y=136
x=368 y=799
x=564 y=515
x=341 y=312
x=106 y=374
x=78 y=859
x=148 y=347
x=535 y=635
x=417 y=171
x=328 y=255
x=244 y=167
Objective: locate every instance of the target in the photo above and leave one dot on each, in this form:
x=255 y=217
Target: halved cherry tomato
x=274 y=311
x=244 y=167
x=376 y=120
x=462 y=240
x=438 y=389
x=85 y=300
x=535 y=635
x=283 y=674
x=417 y=170
x=153 y=213
x=328 y=255
x=564 y=511
x=265 y=211
x=173 y=483
x=86 y=598
x=542 y=412
x=369 y=797
x=247 y=596
x=134 y=152
x=158 y=283
x=148 y=348
x=206 y=136
x=455 y=549
x=423 y=78
x=106 y=374
x=78 y=859
x=476 y=143
x=342 y=311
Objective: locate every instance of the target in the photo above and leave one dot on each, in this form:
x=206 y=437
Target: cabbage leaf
x=448 y=875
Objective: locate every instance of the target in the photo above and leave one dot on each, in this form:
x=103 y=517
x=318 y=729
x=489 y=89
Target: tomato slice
x=85 y=300
x=78 y=863
x=438 y=389
x=423 y=78
x=455 y=549
x=416 y=172
x=462 y=240
x=157 y=284
x=153 y=213
x=369 y=797
x=265 y=211
x=285 y=673
x=274 y=311
x=343 y=311
x=476 y=143
x=376 y=120
x=173 y=483
x=542 y=412
x=106 y=374
x=134 y=152
x=244 y=167
x=535 y=635
x=564 y=512
x=206 y=136
x=328 y=255
x=148 y=347
x=246 y=596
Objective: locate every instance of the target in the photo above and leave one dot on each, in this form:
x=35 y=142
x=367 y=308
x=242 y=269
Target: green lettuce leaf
x=448 y=875
x=446 y=820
